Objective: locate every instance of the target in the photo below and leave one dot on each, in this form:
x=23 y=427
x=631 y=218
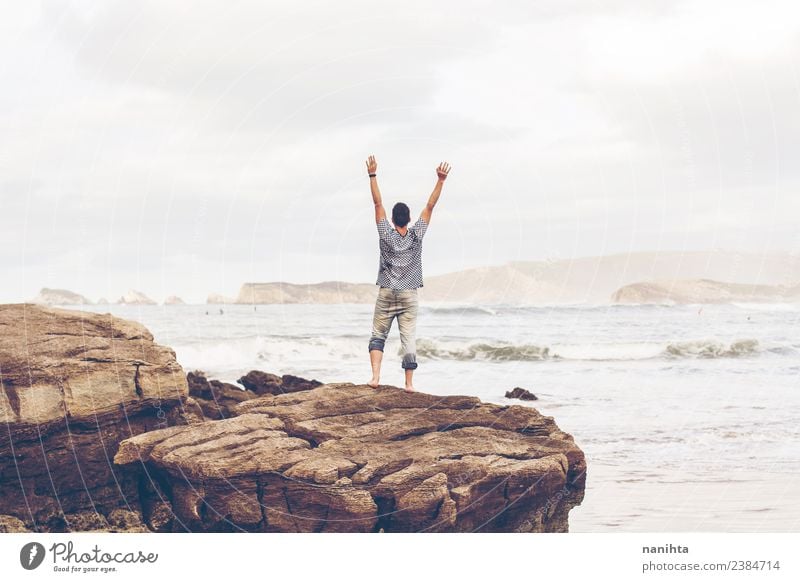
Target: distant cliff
x=703 y=291
x=575 y=280
x=134 y=297
x=59 y=297
x=326 y=292
x=217 y=299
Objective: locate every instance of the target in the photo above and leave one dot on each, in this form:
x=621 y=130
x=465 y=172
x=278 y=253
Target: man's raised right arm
x=441 y=173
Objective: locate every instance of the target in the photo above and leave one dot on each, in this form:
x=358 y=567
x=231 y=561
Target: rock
x=59 y=297
x=81 y=521
x=78 y=389
x=124 y=520
x=133 y=297
x=216 y=399
x=174 y=300
x=261 y=382
x=188 y=412
x=291 y=383
x=11 y=524
x=118 y=521
x=264 y=383
x=521 y=394
x=159 y=515
x=73 y=385
x=345 y=457
x=102 y=301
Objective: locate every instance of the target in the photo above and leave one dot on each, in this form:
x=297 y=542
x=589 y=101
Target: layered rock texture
x=72 y=386
x=345 y=457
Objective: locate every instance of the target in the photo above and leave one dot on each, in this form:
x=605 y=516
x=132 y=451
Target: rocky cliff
x=72 y=386
x=102 y=434
x=345 y=457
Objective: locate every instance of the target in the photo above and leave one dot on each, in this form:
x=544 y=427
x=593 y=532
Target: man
x=399 y=274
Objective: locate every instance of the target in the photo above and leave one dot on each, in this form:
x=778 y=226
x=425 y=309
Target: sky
x=183 y=148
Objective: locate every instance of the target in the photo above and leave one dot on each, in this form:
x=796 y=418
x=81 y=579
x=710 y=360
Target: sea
x=689 y=415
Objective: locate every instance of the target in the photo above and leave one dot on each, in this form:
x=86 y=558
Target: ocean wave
x=712 y=349
x=462 y=310
x=280 y=351
x=504 y=352
x=483 y=351
x=784 y=350
x=783 y=307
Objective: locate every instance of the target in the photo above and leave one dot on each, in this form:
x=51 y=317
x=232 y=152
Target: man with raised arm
x=399 y=274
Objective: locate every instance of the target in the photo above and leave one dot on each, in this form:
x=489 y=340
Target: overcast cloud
x=186 y=147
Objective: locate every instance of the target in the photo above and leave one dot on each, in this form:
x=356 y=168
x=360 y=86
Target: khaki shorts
x=404 y=305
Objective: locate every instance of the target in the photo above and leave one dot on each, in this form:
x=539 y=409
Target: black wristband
x=372 y=175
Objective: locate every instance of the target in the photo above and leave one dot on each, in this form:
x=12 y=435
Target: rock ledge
x=346 y=457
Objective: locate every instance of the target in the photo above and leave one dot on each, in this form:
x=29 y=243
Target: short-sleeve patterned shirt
x=401 y=256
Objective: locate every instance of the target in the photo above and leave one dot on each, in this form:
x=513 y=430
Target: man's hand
x=372 y=165
x=442 y=171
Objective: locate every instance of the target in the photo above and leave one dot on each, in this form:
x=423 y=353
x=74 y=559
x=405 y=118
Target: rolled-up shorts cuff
x=376 y=344
x=409 y=362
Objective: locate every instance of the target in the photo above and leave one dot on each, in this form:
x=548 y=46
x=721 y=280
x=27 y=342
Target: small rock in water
x=264 y=383
x=521 y=394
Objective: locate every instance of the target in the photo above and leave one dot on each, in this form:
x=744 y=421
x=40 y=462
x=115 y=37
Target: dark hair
x=401 y=215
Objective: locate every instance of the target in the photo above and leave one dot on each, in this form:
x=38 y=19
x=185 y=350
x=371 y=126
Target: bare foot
x=374 y=382
x=409 y=388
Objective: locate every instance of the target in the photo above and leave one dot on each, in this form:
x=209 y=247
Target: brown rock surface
x=346 y=457
x=11 y=524
x=74 y=384
x=216 y=399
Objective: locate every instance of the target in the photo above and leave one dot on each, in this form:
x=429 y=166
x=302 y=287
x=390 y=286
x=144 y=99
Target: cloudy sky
x=186 y=147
